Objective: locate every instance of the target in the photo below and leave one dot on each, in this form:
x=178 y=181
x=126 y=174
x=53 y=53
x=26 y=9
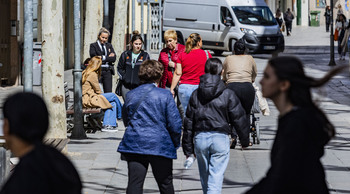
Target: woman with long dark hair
x=340 y=25
x=303 y=130
x=129 y=64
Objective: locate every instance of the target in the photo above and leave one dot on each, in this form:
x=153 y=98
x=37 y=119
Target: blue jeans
x=110 y=117
x=213 y=153
x=185 y=92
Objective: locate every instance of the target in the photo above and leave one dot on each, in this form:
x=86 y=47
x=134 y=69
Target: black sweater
x=127 y=73
x=212 y=107
x=295 y=155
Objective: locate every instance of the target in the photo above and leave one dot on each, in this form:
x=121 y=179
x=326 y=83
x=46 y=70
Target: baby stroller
x=254 y=121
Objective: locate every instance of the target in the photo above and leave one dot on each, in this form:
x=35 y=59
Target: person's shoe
x=108 y=128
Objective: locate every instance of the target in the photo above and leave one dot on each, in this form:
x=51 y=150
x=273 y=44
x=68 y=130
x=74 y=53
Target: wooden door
x=9 y=60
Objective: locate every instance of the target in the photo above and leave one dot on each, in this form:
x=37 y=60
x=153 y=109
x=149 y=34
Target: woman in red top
x=169 y=57
x=189 y=69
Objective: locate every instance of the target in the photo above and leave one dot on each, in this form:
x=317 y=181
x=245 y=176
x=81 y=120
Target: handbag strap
x=140 y=101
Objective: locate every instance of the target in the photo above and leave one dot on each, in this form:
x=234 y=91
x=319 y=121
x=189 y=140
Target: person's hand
x=111 y=55
x=171 y=64
x=172 y=92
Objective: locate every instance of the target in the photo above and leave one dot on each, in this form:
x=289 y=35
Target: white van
x=222 y=22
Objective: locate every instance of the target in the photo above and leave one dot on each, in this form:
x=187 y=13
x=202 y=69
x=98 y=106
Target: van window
x=225 y=12
x=254 y=15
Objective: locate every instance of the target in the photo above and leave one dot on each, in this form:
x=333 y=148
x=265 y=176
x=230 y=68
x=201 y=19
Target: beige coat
x=92 y=93
x=239 y=68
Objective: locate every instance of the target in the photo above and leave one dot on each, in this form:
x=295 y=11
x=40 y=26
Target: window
x=225 y=12
x=254 y=15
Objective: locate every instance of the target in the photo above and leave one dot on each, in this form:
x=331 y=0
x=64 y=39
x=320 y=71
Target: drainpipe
x=160 y=25
x=142 y=34
x=78 y=130
x=148 y=26
x=28 y=46
x=133 y=16
x=106 y=14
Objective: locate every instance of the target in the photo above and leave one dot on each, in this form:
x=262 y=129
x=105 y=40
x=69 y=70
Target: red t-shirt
x=193 y=65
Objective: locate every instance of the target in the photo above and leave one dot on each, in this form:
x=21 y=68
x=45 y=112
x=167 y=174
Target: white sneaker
x=109 y=128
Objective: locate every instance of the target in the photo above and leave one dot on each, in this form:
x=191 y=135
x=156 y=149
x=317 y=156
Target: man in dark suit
x=104 y=49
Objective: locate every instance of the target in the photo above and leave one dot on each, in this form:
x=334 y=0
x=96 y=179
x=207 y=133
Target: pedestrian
x=327 y=15
x=153 y=131
x=279 y=18
x=340 y=9
x=85 y=64
x=288 y=19
x=105 y=50
x=189 y=69
x=212 y=113
x=239 y=73
x=129 y=64
x=345 y=42
x=340 y=25
x=169 y=56
x=41 y=169
x=94 y=98
x=303 y=130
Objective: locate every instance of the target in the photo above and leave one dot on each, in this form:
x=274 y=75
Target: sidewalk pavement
x=102 y=171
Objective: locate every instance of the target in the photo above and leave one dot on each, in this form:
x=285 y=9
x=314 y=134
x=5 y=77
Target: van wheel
x=218 y=52
x=232 y=44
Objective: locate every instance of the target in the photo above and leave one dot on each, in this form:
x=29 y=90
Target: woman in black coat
x=104 y=49
x=211 y=115
x=303 y=130
x=129 y=64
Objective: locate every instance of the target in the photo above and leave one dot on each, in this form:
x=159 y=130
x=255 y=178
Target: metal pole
x=28 y=46
x=78 y=130
x=142 y=4
x=133 y=15
x=106 y=14
x=332 y=62
x=160 y=26
x=148 y=26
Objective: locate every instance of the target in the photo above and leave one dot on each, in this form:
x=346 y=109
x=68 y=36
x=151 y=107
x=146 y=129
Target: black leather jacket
x=212 y=107
x=127 y=73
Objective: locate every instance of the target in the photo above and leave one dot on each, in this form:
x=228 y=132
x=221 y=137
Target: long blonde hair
x=94 y=66
x=192 y=41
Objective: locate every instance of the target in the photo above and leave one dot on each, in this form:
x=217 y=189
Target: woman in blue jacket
x=153 y=131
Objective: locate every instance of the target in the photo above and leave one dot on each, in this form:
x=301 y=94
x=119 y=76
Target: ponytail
x=192 y=41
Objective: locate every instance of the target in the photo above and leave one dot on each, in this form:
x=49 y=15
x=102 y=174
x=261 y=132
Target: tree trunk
x=118 y=38
x=93 y=23
x=53 y=67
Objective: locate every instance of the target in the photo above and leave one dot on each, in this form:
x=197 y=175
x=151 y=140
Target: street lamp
x=332 y=62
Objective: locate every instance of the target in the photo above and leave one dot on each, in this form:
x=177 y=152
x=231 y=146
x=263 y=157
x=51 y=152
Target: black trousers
x=327 y=27
x=162 y=169
x=246 y=94
x=289 y=27
x=106 y=80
